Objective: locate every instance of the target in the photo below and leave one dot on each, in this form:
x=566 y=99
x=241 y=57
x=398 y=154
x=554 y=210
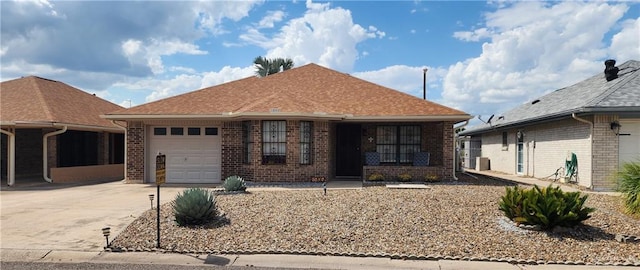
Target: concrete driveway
x=58 y=217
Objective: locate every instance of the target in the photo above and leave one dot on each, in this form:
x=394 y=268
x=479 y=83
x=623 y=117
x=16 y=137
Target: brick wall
x=546 y=147
x=29 y=152
x=135 y=152
x=605 y=153
x=292 y=171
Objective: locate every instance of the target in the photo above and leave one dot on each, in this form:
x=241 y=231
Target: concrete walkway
x=52 y=223
x=534 y=181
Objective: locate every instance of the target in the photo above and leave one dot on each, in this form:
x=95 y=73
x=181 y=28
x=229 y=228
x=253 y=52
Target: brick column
x=604 y=153
x=447 y=150
x=135 y=152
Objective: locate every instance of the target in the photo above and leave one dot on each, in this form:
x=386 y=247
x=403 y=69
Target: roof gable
x=594 y=94
x=309 y=89
x=37 y=100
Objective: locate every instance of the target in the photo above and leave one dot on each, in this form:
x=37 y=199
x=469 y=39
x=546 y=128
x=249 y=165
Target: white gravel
x=445 y=221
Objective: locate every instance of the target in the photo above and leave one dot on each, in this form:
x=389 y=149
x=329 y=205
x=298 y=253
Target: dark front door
x=348 y=155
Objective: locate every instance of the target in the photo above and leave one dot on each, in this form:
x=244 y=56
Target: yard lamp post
x=151 y=199
x=424 y=83
x=106 y=232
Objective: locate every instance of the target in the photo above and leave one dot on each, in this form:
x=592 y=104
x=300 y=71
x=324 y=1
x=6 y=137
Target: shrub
x=547 y=207
x=194 y=206
x=431 y=178
x=404 y=177
x=629 y=186
x=376 y=177
x=234 y=183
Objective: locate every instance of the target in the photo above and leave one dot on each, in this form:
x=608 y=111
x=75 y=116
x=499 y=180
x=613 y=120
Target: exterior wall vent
x=610 y=70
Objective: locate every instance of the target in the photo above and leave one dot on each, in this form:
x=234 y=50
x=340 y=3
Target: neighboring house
x=597 y=119
x=53 y=131
x=305 y=124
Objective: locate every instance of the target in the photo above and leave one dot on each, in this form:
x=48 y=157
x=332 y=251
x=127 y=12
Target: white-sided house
x=595 y=122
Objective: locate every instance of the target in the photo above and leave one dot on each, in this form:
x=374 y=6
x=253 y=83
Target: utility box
x=482 y=163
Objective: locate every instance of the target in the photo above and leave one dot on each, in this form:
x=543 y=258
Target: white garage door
x=193 y=154
x=629 y=141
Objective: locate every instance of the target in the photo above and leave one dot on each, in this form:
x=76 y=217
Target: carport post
x=11 y=171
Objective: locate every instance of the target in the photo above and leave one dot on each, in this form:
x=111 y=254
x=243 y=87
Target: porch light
x=151 y=199
x=106 y=231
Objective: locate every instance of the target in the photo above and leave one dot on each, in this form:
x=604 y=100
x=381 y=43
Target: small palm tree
x=266 y=67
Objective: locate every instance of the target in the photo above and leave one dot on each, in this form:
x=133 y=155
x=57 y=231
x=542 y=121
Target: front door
x=348 y=154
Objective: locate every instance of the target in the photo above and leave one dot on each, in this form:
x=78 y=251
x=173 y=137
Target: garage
x=193 y=154
x=629 y=139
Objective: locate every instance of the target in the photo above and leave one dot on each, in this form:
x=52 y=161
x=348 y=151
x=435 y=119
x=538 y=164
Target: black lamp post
x=424 y=83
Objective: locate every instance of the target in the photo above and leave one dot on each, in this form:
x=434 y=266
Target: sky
x=481 y=57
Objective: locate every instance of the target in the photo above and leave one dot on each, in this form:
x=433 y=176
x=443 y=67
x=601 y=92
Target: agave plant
x=234 y=183
x=194 y=206
x=547 y=207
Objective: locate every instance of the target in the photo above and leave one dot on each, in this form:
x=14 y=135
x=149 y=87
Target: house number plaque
x=160 y=169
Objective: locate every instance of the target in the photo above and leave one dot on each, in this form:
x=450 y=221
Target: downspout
x=45 y=152
x=125 y=147
x=454 y=148
x=11 y=171
x=574 y=116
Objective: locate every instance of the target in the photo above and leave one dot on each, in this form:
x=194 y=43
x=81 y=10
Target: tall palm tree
x=266 y=67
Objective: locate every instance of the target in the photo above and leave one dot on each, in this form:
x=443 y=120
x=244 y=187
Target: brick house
x=597 y=120
x=307 y=123
x=53 y=131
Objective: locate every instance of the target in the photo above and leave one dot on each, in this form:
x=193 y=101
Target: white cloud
x=534 y=47
x=137 y=52
x=271 y=18
x=404 y=78
x=324 y=35
x=625 y=45
x=475 y=35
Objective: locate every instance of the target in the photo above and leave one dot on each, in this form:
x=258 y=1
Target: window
x=210 y=131
x=193 y=131
x=505 y=142
x=397 y=144
x=177 y=131
x=247 y=142
x=306 y=142
x=159 y=131
x=274 y=142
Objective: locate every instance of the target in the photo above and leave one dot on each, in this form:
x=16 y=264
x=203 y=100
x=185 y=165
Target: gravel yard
x=456 y=220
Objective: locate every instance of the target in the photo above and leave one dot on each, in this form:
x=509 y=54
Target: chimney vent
x=610 y=70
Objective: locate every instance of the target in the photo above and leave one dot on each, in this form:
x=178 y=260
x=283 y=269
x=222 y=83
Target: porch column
x=11 y=153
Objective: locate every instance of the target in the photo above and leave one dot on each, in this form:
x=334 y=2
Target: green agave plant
x=547 y=207
x=194 y=206
x=234 y=183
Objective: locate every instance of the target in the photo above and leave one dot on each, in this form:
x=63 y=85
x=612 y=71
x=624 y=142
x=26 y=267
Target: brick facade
x=436 y=139
x=604 y=153
x=547 y=146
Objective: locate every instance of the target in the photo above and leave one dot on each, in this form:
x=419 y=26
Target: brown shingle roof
x=309 y=89
x=38 y=100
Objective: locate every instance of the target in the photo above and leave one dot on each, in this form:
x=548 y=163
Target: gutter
x=125 y=147
x=574 y=116
x=11 y=171
x=288 y=115
x=45 y=161
x=454 y=148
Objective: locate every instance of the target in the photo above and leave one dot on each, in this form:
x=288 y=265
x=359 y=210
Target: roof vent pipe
x=610 y=70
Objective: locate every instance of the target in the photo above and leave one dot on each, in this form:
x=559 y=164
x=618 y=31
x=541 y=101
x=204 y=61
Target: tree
x=266 y=67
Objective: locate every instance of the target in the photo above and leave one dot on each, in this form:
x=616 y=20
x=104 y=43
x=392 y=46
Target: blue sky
x=482 y=57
